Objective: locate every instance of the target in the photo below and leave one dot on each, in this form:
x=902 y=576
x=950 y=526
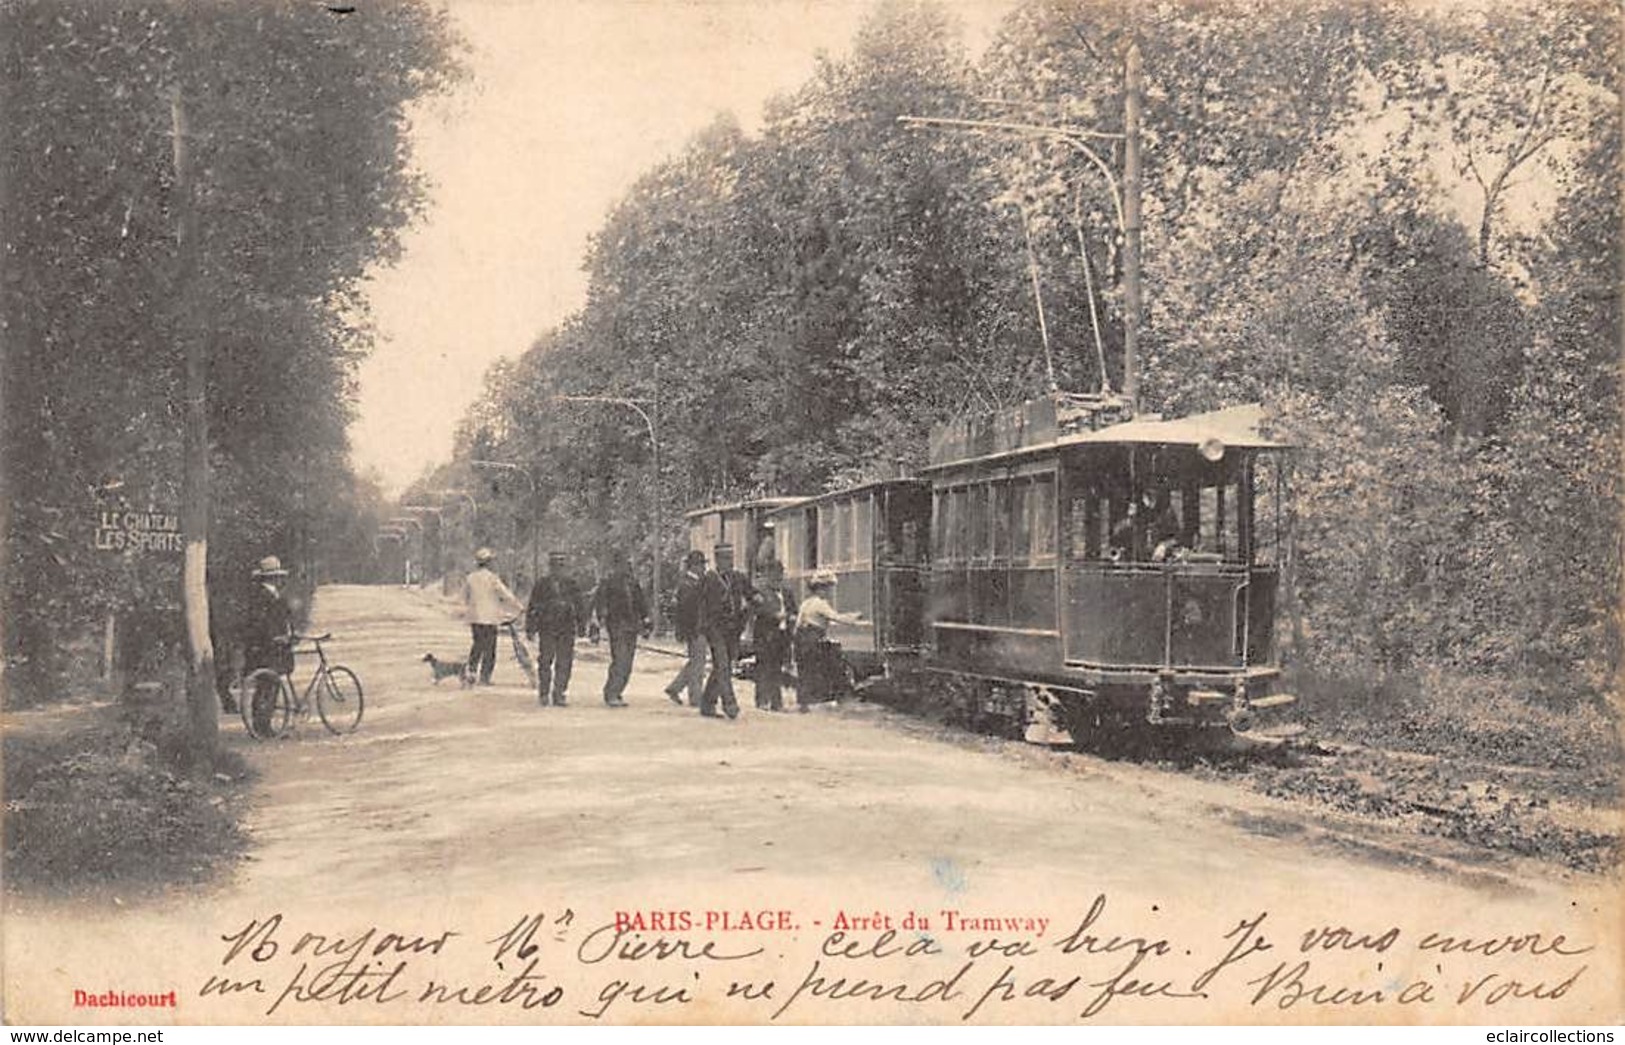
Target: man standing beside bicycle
x=267 y=638
x=489 y=604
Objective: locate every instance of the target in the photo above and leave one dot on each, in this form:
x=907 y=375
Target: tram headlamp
x=1211 y=449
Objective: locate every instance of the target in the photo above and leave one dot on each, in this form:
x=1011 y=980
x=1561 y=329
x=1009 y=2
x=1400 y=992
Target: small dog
x=445 y=669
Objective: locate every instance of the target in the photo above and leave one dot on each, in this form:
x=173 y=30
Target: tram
x=875 y=538
x=1061 y=558
x=1110 y=567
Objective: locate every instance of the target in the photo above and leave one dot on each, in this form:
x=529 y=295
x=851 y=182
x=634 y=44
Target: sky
x=568 y=102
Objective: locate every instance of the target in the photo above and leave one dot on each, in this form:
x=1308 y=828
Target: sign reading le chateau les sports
x=149 y=531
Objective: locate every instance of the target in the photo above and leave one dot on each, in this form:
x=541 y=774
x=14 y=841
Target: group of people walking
x=557 y=614
x=715 y=606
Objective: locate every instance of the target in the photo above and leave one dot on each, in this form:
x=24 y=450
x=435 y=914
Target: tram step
x=1274 y=700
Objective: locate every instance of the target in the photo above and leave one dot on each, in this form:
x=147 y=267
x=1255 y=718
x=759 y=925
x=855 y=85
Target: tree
x=294 y=198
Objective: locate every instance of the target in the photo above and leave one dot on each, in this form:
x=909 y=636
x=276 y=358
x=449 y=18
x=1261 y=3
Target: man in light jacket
x=489 y=604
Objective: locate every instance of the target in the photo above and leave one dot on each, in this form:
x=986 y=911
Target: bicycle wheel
x=339 y=701
x=266 y=704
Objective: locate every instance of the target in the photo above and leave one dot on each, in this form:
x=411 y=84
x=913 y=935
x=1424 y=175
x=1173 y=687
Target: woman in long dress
x=817 y=658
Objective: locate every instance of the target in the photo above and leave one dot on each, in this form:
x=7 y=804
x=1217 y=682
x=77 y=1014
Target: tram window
x=981 y=538
x=939 y=525
x=809 y=530
x=863 y=530
x=1077 y=529
x=953 y=525
x=1099 y=524
x=1211 y=525
x=1021 y=524
x=1041 y=509
x=1268 y=523
x=844 y=527
x=1003 y=515
x=1232 y=522
x=908 y=541
x=960 y=546
x=1174 y=515
x=903 y=532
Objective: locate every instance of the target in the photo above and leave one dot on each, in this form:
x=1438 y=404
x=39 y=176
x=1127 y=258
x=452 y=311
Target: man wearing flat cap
x=689 y=630
x=724 y=602
x=555 y=617
x=619 y=605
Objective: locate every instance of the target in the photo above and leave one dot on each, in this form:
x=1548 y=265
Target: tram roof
x=1235 y=427
x=1238 y=426
x=860 y=488
x=769 y=503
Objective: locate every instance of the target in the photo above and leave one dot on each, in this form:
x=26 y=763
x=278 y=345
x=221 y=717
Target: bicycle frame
x=321 y=672
x=323 y=688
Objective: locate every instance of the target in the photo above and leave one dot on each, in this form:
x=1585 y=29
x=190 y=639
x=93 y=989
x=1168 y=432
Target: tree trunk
x=203 y=715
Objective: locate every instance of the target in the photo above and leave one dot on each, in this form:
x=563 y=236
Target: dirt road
x=468 y=810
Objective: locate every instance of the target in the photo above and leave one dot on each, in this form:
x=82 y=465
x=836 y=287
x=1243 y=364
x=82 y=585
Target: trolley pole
x=1131 y=224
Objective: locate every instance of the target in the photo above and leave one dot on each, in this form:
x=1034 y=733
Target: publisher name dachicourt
x=123 y=1000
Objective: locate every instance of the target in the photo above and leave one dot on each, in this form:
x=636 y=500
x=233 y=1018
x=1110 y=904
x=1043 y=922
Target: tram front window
x=1172 y=506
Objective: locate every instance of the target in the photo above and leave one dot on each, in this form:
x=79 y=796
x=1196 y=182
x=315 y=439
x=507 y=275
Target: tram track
x=1456 y=816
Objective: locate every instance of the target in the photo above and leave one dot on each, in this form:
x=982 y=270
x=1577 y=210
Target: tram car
x=1061 y=558
x=741 y=525
x=1108 y=567
x=875 y=539
x=744 y=527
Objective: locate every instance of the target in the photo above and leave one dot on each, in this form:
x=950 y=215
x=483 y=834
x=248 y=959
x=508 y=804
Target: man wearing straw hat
x=267 y=630
x=489 y=604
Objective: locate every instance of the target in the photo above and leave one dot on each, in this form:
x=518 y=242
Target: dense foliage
x=1396 y=225
x=297 y=135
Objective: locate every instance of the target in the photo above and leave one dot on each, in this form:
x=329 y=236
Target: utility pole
x=654 y=426
x=637 y=406
x=534 y=526
x=1131 y=224
x=203 y=715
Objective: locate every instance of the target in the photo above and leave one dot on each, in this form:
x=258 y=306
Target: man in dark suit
x=724 y=599
x=773 y=616
x=555 y=617
x=686 y=624
x=620 y=608
x=267 y=637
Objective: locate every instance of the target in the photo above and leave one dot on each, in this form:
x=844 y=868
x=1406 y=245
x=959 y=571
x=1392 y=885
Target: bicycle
x=520 y=653
x=336 y=689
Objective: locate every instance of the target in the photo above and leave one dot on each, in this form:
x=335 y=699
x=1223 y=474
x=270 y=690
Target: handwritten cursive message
x=942 y=966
